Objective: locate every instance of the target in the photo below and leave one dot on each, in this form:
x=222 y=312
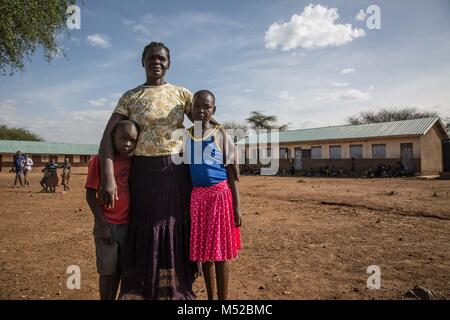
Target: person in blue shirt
x=214 y=208
x=17 y=167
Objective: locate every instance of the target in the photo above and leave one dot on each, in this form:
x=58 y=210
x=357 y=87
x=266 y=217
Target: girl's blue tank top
x=205 y=158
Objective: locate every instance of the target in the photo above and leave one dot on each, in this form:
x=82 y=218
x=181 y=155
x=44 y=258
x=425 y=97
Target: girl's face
x=203 y=108
x=156 y=63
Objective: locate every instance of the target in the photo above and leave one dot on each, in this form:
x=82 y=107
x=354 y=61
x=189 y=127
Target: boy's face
x=125 y=139
x=203 y=108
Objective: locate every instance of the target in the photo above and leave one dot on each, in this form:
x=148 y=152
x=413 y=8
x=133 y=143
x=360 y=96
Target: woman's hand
x=108 y=192
x=105 y=234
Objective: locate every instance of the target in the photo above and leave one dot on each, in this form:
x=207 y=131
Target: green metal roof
x=38 y=147
x=415 y=127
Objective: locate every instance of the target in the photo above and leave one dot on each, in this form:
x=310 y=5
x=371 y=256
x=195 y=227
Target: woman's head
x=156 y=60
x=203 y=105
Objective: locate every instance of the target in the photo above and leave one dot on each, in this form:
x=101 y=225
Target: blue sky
x=313 y=69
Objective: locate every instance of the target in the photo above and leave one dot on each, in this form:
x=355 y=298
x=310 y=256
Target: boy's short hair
x=205 y=92
x=123 y=123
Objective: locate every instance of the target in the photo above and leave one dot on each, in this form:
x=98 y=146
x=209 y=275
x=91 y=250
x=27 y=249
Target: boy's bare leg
x=208 y=274
x=222 y=272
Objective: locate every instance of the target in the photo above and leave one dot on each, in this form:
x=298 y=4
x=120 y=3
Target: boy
x=52 y=175
x=17 y=168
x=111 y=224
x=65 y=176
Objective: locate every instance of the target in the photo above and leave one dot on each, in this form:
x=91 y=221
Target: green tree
x=18 y=134
x=26 y=25
x=259 y=121
x=388 y=115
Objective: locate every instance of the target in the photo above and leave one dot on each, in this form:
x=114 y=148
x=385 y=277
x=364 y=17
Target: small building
x=41 y=152
x=418 y=144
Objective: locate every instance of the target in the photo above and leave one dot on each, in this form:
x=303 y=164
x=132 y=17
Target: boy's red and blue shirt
x=120 y=213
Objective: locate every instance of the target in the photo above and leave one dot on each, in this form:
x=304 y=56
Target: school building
x=422 y=145
x=41 y=152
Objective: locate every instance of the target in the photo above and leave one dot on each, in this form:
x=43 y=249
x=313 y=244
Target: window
x=285 y=153
x=335 y=152
x=306 y=153
x=316 y=152
x=378 y=151
x=44 y=158
x=356 y=151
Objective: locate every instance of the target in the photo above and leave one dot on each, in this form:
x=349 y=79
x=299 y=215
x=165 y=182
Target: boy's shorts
x=109 y=257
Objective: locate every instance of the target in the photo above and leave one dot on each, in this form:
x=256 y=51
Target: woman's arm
x=108 y=187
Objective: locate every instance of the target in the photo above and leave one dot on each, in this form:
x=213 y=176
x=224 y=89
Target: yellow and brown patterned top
x=159 y=111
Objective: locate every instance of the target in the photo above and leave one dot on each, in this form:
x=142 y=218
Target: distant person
x=44 y=180
x=111 y=224
x=52 y=179
x=28 y=164
x=65 y=175
x=17 y=168
x=214 y=209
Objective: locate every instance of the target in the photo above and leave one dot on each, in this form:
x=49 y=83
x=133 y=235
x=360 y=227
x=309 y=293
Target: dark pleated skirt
x=156 y=263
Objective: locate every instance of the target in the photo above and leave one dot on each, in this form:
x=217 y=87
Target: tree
x=18 y=134
x=388 y=115
x=238 y=130
x=25 y=26
x=259 y=121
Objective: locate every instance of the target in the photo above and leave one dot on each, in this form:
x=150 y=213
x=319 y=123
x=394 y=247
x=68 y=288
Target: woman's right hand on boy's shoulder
x=108 y=192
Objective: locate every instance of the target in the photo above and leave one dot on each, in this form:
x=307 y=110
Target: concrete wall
x=431 y=144
x=392 y=147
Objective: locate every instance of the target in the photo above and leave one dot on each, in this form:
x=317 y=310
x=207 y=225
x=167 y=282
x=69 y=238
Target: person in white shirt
x=28 y=163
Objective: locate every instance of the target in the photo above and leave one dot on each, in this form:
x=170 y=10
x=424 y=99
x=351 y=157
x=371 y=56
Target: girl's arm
x=108 y=186
x=232 y=180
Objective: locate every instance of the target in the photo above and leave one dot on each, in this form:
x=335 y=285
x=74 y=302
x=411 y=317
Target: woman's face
x=156 y=63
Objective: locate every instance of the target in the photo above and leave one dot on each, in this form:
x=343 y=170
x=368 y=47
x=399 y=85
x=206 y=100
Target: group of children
x=22 y=164
x=214 y=208
x=50 y=179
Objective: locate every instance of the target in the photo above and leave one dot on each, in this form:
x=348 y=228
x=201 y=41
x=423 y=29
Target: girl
x=215 y=213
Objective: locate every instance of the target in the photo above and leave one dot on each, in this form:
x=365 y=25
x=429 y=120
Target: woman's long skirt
x=156 y=261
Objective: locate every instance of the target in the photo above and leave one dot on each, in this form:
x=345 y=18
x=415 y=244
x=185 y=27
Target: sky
x=311 y=64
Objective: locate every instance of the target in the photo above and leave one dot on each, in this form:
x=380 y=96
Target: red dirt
x=304 y=238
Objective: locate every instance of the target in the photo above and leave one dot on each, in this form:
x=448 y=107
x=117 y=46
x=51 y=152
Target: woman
x=156 y=261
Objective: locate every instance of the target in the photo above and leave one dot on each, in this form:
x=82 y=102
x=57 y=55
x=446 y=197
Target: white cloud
x=315 y=27
x=249 y=90
x=97 y=116
x=347 y=71
x=371 y=88
x=347 y=95
x=99 y=40
x=8 y=112
x=284 y=95
x=340 y=84
x=361 y=16
x=98 y=102
x=110 y=100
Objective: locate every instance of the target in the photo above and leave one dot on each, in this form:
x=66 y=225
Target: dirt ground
x=310 y=238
